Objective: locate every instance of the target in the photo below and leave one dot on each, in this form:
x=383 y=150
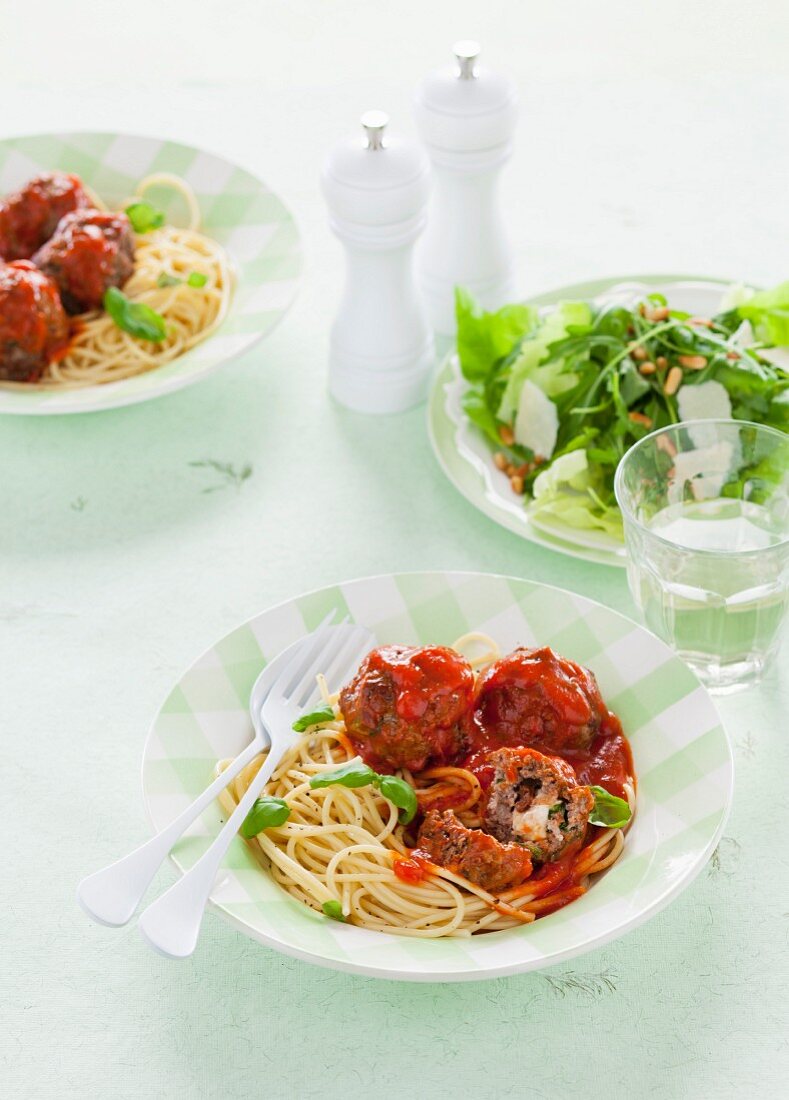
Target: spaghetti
x=347 y=845
x=181 y=274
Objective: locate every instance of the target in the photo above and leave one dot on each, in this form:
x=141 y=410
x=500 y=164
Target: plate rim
x=105 y=397
x=504 y=970
x=437 y=414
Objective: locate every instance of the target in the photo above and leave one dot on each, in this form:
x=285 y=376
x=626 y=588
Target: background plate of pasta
x=131 y=267
x=513 y=776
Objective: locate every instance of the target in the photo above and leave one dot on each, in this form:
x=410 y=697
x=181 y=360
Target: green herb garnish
x=608 y=810
x=165 y=280
x=136 y=318
x=144 y=217
x=266 y=813
x=197 y=279
x=322 y=714
x=194 y=279
x=333 y=909
x=357 y=774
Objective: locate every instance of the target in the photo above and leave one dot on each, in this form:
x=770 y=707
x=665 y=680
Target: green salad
x=560 y=395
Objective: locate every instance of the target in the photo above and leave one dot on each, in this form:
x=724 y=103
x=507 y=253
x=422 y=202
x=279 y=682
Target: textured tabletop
x=653 y=136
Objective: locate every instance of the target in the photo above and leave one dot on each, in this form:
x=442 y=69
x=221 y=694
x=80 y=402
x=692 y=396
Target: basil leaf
x=608 y=810
x=164 y=280
x=322 y=714
x=136 y=318
x=333 y=909
x=400 y=794
x=197 y=279
x=144 y=217
x=265 y=814
x=556 y=809
x=352 y=774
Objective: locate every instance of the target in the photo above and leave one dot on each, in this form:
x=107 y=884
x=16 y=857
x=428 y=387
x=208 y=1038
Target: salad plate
x=680 y=751
x=467 y=445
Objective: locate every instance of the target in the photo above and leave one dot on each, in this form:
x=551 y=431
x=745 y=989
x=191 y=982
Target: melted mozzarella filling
x=532 y=824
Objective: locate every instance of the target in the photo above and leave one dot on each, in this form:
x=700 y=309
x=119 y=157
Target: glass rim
x=720 y=421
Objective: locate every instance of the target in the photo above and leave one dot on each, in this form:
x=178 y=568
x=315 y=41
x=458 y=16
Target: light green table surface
x=120 y=561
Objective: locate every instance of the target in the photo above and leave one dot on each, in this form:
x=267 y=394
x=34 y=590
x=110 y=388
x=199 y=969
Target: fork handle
x=171 y=924
x=111 y=895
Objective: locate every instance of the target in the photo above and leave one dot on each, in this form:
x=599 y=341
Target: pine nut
x=647 y=368
x=639 y=353
x=640 y=418
x=673 y=381
x=661 y=362
x=506 y=435
x=692 y=362
x=500 y=461
x=660 y=313
x=517 y=484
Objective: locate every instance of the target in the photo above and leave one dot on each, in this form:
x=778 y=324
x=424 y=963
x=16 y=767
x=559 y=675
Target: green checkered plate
x=238 y=211
x=682 y=758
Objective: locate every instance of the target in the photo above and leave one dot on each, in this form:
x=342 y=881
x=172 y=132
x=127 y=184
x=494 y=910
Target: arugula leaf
x=144 y=217
x=484 y=338
x=333 y=909
x=400 y=794
x=322 y=714
x=266 y=813
x=136 y=318
x=608 y=810
x=353 y=774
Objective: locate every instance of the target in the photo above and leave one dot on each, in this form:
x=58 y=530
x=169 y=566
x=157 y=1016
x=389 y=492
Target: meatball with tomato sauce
x=29 y=216
x=533 y=696
x=404 y=707
x=33 y=327
x=90 y=251
x=473 y=854
x=535 y=800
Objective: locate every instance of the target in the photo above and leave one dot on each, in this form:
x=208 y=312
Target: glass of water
x=706 y=513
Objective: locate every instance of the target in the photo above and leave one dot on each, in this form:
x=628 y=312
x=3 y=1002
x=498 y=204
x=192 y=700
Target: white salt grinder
x=466 y=116
x=381 y=349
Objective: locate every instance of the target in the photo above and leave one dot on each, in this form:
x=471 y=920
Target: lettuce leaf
x=484 y=338
x=566 y=492
x=531 y=363
x=768 y=312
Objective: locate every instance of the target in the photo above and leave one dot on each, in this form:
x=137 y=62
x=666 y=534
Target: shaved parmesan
x=705 y=470
x=537 y=421
x=707 y=401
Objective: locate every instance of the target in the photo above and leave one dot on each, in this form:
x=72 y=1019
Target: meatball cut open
x=90 y=251
x=534 y=696
x=28 y=217
x=535 y=801
x=33 y=326
x=473 y=854
x=403 y=708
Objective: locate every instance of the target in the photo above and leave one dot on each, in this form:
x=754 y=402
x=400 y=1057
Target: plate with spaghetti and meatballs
x=129 y=268
x=513 y=775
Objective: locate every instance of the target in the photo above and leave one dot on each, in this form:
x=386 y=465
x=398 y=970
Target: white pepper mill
x=466 y=116
x=381 y=349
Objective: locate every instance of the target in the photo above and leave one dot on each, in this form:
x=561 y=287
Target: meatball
x=473 y=854
x=89 y=252
x=533 y=696
x=403 y=709
x=33 y=326
x=28 y=217
x=535 y=800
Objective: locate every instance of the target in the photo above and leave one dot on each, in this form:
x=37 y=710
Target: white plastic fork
x=111 y=896
x=171 y=924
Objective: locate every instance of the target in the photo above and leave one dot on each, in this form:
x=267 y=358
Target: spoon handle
x=111 y=895
x=171 y=924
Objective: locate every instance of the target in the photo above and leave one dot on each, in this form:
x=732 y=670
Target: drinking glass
x=706 y=514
